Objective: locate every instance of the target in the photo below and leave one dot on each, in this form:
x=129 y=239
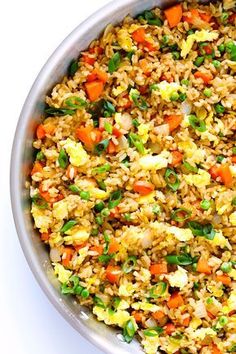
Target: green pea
x=99 y=207
x=99 y=220
x=207 y=92
x=216 y=63
x=94 y=232
x=205 y=204
x=105 y=212
x=40 y=156
x=84 y=195
x=175 y=55
x=221 y=48
x=182 y=97
x=226 y=267
x=224 y=17
x=219 y=108
x=85 y=293
x=174 y=96
x=194 y=266
x=198 y=61
x=185 y=82
x=220 y=158
x=234 y=150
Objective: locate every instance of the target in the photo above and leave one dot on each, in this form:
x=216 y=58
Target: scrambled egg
x=145 y=306
x=124 y=40
x=76 y=236
x=78 y=156
x=166 y=89
x=147 y=199
x=198 y=36
x=126 y=289
x=201 y=333
x=232 y=218
x=195 y=323
x=119 y=89
x=191 y=151
x=151 y=344
x=181 y=234
x=220 y=240
x=83 y=252
x=232 y=274
x=42 y=221
x=201 y=179
x=179 y=278
x=118 y=318
x=156 y=162
x=60 y=210
x=89 y=185
x=63 y=274
x=143 y=130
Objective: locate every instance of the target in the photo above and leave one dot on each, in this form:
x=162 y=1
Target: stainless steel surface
x=105 y=338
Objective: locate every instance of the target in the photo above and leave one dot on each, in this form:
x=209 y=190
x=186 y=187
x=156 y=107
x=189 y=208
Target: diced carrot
x=150 y=46
x=174 y=15
x=71 y=172
x=205 y=17
x=225 y=175
x=81 y=245
x=44 y=194
x=113 y=274
x=143 y=89
x=94 y=89
x=169 y=328
x=214 y=172
x=143 y=63
x=158 y=315
x=186 y=321
x=138 y=316
x=224 y=279
x=91 y=77
x=66 y=256
x=139 y=35
x=177 y=158
x=158 y=269
x=203 y=267
x=194 y=15
x=111 y=149
x=206 y=77
x=97 y=74
x=97 y=249
x=114 y=247
x=143 y=187
x=173 y=121
x=116 y=132
x=49 y=128
x=232 y=19
x=175 y=301
x=44 y=236
x=40 y=132
x=215 y=349
x=37 y=168
x=96 y=50
x=84 y=135
x=88 y=59
x=163 y=77
x=212 y=317
x=233 y=159
x=115 y=213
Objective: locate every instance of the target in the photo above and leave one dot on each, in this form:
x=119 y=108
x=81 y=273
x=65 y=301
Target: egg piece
x=155 y=162
x=181 y=234
x=77 y=155
x=63 y=274
x=118 y=318
x=166 y=89
x=42 y=218
x=60 y=210
x=143 y=130
x=124 y=40
x=179 y=278
x=232 y=218
x=151 y=344
x=76 y=236
x=198 y=36
x=220 y=240
x=201 y=179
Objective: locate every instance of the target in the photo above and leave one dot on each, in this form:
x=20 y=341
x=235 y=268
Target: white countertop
x=30 y=31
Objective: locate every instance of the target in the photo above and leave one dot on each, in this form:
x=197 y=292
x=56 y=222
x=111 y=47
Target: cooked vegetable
x=94 y=89
x=129 y=264
x=158 y=269
x=151 y=18
x=52 y=111
x=158 y=290
x=63 y=159
x=202 y=230
x=39 y=201
x=175 y=301
x=138 y=100
x=67 y=226
x=205 y=204
x=101 y=147
x=226 y=267
x=173 y=121
x=172 y=179
x=137 y=142
x=181 y=214
x=181 y=259
x=75 y=102
x=174 y=15
x=203 y=267
x=197 y=123
x=115 y=199
x=153 y=332
x=114 y=63
x=129 y=331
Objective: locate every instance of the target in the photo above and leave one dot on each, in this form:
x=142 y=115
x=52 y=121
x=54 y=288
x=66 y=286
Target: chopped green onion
x=115 y=302
x=190 y=167
x=216 y=63
x=156 y=209
x=234 y=150
x=207 y=92
x=198 y=61
x=129 y=264
x=153 y=87
x=114 y=199
x=84 y=195
x=68 y=225
x=152 y=19
x=127 y=217
x=99 y=302
x=202 y=230
x=101 y=147
x=108 y=127
x=85 y=293
x=197 y=123
x=73 y=68
x=75 y=289
x=191 y=31
x=222 y=321
x=105 y=258
x=109 y=108
x=135 y=123
x=220 y=158
x=226 y=267
x=40 y=156
x=73 y=188
x=130 y=54
x=175 y=55
x=94 y=232
x=129 y=331
x=172 y=179
x=232 y=349
x=153 y=332
x=126 y=161
x=182 y=97
x=114 y=63
x=158 y=290
x=39 y=201
x=52 y=111
x=139 y=101
x=181 y=214
x=99 y=207
x=102 y=185
x=221 y=48
x=105 y=212
x=75 y=102
x=205 y=204
x=181 y=259
x=185 y=82
x=165 y=39
x=102 y=169
x=219 y=108
x=224 y=17
x=137 y=142
x=63 y=159
x=174 y=96
x=233 y=201
x=196 y=285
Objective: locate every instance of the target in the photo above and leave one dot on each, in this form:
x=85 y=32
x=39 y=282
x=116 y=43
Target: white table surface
x=30 y=31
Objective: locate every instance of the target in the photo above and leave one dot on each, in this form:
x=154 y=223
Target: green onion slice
x=129 y=264
x=102 y=146
x=75 y=102
x=73 y=188
x=153 y=332
x=158 y=290
x=138 y=100
x=73 y=68
x=68 y=225
x=99 y=302
x=137 y=142
x=114 y=199
x=39 y=201
x=63 y=159
x=197 y=123
x=181 y=259
x=52 y=111
x=181 y=214
x=114 y=63
x=202 y=230
x=172 y=179
x=190 y=167
x=129 y=331
x=102 y=169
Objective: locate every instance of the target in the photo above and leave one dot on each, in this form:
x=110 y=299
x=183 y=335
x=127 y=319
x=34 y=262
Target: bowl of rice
x=123 y=177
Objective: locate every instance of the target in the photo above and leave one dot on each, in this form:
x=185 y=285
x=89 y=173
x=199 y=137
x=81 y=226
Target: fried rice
x=133 y=184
